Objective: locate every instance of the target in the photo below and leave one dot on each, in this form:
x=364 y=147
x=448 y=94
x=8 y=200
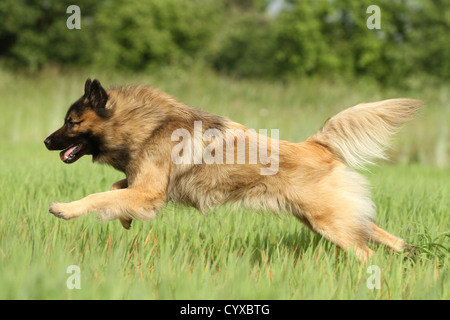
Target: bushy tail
x=360 y=134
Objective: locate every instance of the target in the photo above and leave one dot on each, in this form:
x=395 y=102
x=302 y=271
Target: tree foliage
x=241 y=38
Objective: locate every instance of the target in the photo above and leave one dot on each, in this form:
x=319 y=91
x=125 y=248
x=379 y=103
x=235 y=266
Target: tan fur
x=361 y=133
x=314 y=182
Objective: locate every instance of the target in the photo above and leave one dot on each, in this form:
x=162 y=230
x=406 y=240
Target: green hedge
x=240 y=38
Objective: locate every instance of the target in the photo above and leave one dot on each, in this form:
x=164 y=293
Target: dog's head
x=79 y=134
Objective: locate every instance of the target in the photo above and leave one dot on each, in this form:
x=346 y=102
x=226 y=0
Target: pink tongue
x=68 y=152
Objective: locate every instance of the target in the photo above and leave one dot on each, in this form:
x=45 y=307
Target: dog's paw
x=126 y=223
x=61 y=210
x=411 y=251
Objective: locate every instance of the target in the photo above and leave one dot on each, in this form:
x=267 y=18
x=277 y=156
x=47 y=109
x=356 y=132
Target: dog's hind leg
x=336 y=224
x=344 y=233
x=338 y=207
x=380 y=236
x=122 y=184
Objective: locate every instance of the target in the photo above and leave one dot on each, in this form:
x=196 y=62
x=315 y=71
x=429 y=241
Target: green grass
x=226 y=254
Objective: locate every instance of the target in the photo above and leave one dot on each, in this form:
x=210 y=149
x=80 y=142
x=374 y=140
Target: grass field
x=227 y=254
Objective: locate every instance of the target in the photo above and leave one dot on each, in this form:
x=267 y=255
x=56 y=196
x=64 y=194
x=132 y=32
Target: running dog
x=132 y=128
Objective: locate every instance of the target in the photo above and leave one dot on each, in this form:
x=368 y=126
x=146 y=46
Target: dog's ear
x=87 y=87
x=97 y=95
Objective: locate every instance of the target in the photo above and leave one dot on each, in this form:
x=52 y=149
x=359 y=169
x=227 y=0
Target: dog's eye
x=72 y=123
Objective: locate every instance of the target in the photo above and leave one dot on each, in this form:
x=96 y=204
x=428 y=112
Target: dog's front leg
x=122 y=184
x=124 y=203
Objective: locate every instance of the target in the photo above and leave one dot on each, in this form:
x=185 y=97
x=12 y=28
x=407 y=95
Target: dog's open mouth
x=73 y=153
